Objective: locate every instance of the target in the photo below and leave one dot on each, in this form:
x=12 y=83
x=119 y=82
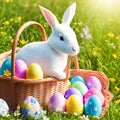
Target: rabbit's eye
x=61 y=38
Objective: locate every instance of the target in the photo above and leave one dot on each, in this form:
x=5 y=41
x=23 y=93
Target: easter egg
x=57 y=103
x=93 y=106
x=34 y=71
x=4 y=109
x=6 y=67
x=93 y=82
x=76 y=79
x=91 y=92
x=0 y=71
x=20 y=69
x=31 y=107
x=68 y=84
x=74 y=105
x=72 y=91
x=81 y=87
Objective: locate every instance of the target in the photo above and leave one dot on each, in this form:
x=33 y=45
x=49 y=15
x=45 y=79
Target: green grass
x=101 y=53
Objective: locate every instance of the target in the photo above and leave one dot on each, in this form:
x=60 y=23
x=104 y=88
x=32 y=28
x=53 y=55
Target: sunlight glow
x=108 y=6
x=107 y=2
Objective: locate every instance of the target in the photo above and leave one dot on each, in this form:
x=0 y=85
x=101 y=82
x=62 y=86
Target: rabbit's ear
x=69 y=14
x=49 y=16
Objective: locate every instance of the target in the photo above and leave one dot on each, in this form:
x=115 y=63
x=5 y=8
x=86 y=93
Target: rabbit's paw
x=59 y=75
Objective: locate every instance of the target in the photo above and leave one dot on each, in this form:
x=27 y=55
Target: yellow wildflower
x=111 y=35
x=117 y=89
x=19 y=18
x=7 y=73
x=26 y=5
x=2 y=33
x=118 y=47
x=115 y=56
x=22 y=42
x=117 y=101
x=35 y=4
x=1 y=28
x=8 y=1
x=12 y=40
x=112 y=79
x=6 y=22
x=11 y=19
x=95 y=49
x=117 y=37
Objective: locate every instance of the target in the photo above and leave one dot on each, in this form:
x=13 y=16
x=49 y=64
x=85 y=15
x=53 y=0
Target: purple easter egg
x=93 y=82
x=57 y=103
x=72 y=91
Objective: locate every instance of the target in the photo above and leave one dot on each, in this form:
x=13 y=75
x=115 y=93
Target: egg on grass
x=74 y=105
x=31 y=107
x=4 y=109
x=93 y=106
x=57 y=103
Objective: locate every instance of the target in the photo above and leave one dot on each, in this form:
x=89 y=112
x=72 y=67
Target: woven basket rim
x=25 y=81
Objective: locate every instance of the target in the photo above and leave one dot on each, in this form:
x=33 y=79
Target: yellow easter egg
x=34 y=71
x=74 y=105
x=68 y=84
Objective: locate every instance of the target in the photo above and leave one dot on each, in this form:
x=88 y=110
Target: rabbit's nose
x=73 y=49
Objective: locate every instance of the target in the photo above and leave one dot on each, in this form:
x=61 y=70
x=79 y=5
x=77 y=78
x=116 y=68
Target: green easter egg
x=80 y=86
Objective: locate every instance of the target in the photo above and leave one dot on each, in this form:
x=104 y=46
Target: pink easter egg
x=93 y=82
x=57 y=103
x=20 y=69
x=91 y=92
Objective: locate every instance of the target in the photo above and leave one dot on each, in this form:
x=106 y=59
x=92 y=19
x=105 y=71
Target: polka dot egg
x=93 y=106
x=4 y=109
x=91 y=92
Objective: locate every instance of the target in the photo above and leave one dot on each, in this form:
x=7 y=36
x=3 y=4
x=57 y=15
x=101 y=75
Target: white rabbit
x=52 y=54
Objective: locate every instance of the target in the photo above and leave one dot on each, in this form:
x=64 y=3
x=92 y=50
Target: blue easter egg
x=0 y=72
x=93 y=106
x=4 y=109
x=77 y=79
x=6 y=66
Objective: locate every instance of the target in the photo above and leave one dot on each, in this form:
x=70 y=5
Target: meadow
x=98 y=51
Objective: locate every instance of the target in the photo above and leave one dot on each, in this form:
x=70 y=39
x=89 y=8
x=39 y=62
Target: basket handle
x=44 y=37
x=76 y=64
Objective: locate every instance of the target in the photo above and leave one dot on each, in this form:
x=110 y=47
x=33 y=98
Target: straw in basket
x=13 y=90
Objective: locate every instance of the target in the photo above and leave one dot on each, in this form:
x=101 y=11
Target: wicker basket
x=13 y=90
